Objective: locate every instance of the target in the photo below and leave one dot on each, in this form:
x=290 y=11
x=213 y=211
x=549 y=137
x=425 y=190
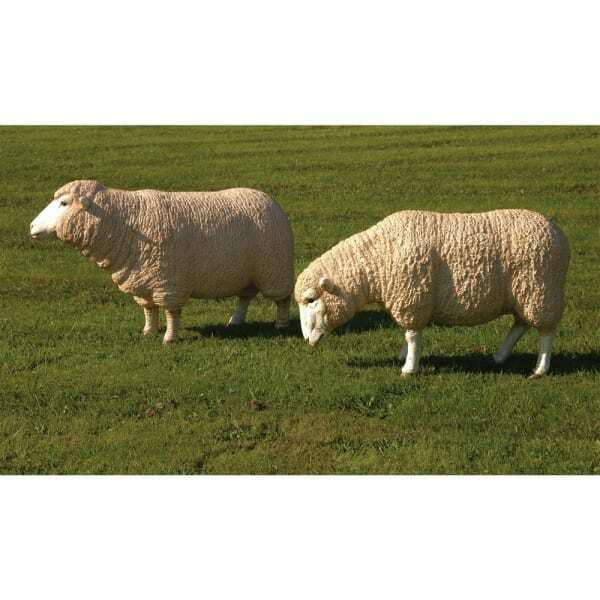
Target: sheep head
x=68 y=201
x=323 y=308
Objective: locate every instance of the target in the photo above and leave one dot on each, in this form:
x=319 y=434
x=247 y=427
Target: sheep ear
x=326 y=284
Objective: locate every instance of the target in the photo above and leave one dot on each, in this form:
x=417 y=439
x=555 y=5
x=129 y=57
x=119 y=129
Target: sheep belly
x=217 y=272
x=470 y=286
x=234 y=284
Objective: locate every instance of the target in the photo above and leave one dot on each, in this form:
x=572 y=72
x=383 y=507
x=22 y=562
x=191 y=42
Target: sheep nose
x=314 y=338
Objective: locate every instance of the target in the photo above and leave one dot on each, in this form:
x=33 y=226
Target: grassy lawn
x=82 y=392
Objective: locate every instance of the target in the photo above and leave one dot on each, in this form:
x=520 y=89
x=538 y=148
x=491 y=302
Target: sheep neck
x=106 y=234
x=355 y=267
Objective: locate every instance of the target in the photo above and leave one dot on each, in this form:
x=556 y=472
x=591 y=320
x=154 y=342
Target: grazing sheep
x=452 y=269
x=166 y=247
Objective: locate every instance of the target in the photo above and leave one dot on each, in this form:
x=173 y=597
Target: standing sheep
x=166 y=247
x=452 y=269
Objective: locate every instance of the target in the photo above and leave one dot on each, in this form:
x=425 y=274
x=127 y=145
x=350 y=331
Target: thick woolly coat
x=454 y=269
x=165 y=247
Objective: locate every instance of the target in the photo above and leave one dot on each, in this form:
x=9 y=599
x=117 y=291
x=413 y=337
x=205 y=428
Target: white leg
x=151 y=315
x=403 y=351
x=241 y=308
x=173 y=320
x=543 y=361
x=512 y=337
x=413 y=354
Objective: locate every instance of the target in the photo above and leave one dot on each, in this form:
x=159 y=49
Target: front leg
x=151 y=314
x=413 y=352
x=173 y=321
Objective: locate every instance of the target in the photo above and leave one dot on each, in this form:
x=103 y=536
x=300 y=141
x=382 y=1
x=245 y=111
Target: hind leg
x=512 y=337
x=403 y=351
x=173 y=321
x=545 y=320
x=274 y=278
x=282 y=320
x=543 y=306
x=543 y=362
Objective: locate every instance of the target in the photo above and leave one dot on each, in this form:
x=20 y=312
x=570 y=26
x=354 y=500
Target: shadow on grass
x=363 y=321
x=248 y=330
x=518 y=363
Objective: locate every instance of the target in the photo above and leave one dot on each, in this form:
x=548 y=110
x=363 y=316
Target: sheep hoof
x=406 y=375
x=282 y=325
x=499 y=360
x=535 y=376
x=169 y=341
x=233 y=322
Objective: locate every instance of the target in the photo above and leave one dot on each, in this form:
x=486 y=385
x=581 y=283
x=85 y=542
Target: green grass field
x=82 y=392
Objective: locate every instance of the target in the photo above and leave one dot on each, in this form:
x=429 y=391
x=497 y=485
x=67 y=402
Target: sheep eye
x=63 y=203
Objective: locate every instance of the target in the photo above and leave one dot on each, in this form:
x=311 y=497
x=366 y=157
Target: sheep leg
x=173 y=320
x=543 y=361
x=241 y=308
x=151 y=314
x=512 y=337
x=282 y=320
x=403 y=351
x=413 y=353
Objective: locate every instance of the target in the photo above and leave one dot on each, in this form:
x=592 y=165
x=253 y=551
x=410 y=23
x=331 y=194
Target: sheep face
x=322 y=310
x=47 y=222
x=313 y=318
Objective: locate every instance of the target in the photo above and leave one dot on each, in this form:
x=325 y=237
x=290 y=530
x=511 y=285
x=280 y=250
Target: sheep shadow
x=520 y=363
x=364 y=321
x=247 y=330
